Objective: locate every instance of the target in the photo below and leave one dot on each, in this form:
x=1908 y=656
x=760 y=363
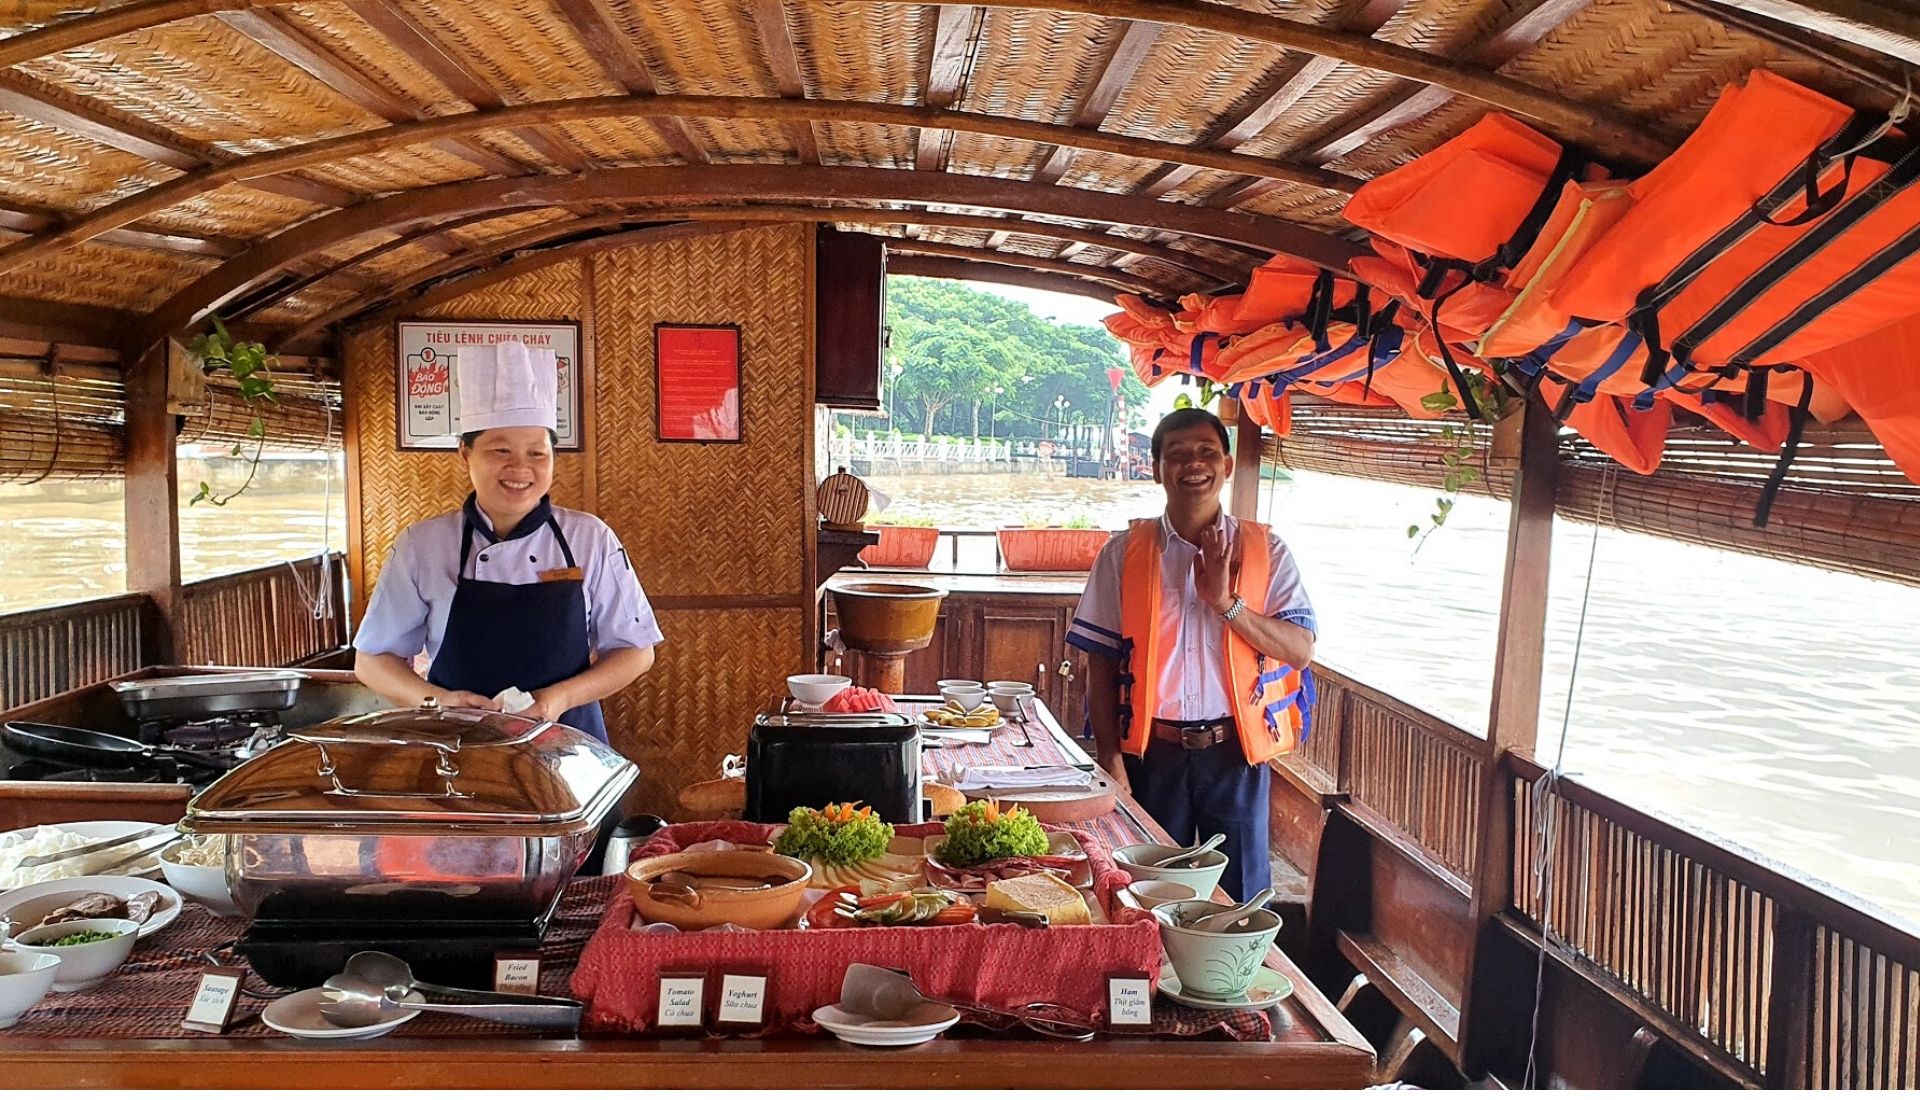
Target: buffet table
x=126 y=1033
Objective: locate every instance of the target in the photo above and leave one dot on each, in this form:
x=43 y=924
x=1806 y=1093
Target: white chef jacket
x=408 y=611
x=1193 y=680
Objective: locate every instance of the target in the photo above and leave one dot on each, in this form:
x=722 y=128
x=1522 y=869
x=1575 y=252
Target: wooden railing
x=275 y=615
x=57 y=649
x=1794 y=986
x=1419 y=774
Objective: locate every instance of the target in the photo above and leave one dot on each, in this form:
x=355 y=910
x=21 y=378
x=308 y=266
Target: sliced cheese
x=1041 y=893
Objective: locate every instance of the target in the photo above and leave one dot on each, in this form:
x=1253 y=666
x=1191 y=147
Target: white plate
x=1269 y=988
x=100 y=830
x=298 y=1015
x=120 y=886
x=927 y=1021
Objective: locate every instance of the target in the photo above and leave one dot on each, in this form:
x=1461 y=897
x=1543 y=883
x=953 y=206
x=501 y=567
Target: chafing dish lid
x=420 y=770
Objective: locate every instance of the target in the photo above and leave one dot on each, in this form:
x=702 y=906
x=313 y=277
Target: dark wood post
x=1790 y=1001
x=1245 y=502
x=152 y=505
x=1492 y=1008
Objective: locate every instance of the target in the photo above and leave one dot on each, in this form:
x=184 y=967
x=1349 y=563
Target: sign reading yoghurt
x=428 y=417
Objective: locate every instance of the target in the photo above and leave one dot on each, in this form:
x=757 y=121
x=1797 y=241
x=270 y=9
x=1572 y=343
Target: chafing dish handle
x=376 y=737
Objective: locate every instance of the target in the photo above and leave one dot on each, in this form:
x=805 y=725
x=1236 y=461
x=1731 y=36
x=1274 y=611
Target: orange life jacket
x=1271 y=702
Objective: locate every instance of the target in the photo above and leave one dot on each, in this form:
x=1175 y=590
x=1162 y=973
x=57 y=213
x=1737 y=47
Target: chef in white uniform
x=507 y=591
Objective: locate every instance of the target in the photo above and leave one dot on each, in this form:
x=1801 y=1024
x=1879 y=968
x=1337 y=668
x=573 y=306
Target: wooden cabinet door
x=1023 y=641
x=850 y=293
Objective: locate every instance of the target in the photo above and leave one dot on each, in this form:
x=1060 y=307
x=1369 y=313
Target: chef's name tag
x=1129 y=1002
x=566 y=573
x=214 y=999
x=682 y=1001
x=743 y=999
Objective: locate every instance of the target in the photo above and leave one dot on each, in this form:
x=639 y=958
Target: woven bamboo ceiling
x=307 y=165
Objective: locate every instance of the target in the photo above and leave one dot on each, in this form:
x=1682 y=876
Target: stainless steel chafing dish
x=209 y=694
x=410 y=817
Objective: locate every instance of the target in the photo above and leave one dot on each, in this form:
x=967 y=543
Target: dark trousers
x=1195 y=793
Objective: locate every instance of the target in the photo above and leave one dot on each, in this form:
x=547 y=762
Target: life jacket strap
x=1796 y=425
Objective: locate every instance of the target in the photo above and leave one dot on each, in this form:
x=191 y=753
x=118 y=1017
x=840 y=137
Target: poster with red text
x=429 y=384
x=698 y=374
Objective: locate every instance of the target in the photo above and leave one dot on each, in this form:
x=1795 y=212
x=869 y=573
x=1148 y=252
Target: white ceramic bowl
x=943 y=684
x=1152 y=892
x=83 y=965
x=1202 y=879
x=25 y=977
x=206 y=885
x=817 y=688
x=1010 y=699
x=1220 y=965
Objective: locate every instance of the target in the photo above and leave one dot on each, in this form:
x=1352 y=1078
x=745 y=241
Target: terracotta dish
x=694 y=890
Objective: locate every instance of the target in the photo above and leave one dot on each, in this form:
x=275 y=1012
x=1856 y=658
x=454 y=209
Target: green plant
x=1208 y=391
x=251 y=366
x=1494 y=405
x=902 y=519
x=1079 y=522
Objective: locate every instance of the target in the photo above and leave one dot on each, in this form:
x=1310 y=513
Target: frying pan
x=90 y=748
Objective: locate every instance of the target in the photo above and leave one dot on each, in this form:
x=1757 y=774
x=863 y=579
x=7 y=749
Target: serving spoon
x=375 y=983
x=1222 y=922
x=1198 y=850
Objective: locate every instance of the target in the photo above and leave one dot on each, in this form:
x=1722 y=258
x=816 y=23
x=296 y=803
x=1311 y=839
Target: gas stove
x=228 y=739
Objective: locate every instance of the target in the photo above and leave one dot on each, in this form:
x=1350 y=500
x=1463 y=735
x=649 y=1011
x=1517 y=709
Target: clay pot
x=719 y=888
x=901 y=547
x=1051 y=549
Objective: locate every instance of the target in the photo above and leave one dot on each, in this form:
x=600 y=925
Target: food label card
x=682 y=1002
x=516 y=973
x=1129 y=1003
x=743 y=999
x=214 y=999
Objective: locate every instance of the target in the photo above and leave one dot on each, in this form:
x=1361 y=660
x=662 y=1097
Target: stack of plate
x=925 y=1021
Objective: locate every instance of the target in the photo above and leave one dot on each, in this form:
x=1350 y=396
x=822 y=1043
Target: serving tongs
x=376 y=983
x=101 y=846
x=882 y=994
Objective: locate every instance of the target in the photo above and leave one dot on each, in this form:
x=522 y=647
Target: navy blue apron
x=528 y=636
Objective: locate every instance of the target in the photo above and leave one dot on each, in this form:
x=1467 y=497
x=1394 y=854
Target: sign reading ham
x=428 y=392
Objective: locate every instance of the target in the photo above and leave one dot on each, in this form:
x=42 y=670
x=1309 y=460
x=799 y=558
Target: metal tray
x=209 y=695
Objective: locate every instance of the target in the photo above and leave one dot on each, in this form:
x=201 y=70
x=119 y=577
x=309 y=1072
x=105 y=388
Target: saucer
x=927 y=1020
x=1269 y=988
x=298 y=1015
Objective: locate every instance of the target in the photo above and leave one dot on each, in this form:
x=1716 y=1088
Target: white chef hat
x=507 y=385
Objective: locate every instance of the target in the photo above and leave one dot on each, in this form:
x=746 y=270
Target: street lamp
x=893 y=383
x=993 y=412
x=1060 y=404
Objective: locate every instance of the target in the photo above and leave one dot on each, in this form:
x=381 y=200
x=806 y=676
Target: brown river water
x=1774 y=706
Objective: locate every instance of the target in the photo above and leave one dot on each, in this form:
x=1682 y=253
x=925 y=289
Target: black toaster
x=811 y=759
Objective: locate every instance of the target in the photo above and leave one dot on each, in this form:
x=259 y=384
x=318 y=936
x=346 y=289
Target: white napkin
x=513 y=700
x=1015 y=777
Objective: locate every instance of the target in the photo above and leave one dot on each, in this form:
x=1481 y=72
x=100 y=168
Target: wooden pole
x=152 y=505
x=1245 y=503
x=1493 y=1012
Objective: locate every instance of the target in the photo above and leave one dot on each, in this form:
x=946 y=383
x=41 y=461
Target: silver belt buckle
x=1194 y=738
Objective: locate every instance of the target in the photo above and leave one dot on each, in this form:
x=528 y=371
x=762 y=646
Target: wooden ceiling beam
x=1889 y=27
x=263 y=168
x=129 y=135
x=955 y=37
x=1096 y=272
x=20 y=218
x=723 y=183
x=417 y=42
x=286 y=41
x=776 y=41
x=939 y=267
x=1200 y=266
x=602 y=38
x=1115 y=73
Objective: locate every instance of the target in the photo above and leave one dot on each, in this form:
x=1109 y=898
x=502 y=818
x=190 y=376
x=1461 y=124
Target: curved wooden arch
x=723 y=183
x=1107 y=275
x=937 y=267
x=1600 y=130
x=181 y=189
x=456 y=286
x=741 y=215
x=762 y=212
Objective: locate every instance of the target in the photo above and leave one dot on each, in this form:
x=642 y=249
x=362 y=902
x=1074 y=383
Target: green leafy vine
x=1208 y=391
x=252 y=368
x=1494 y=404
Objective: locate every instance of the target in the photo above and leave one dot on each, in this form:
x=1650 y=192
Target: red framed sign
x=696 y=373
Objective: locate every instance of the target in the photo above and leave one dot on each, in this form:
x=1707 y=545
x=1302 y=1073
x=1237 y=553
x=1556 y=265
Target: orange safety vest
x=1271 y=705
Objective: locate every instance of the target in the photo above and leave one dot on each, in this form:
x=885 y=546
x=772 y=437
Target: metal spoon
x=375 y=983
x=1208 y=845
x=1222 y=922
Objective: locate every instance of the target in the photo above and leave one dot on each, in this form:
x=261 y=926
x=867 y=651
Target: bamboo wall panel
x=1690 y=939
x=401 y=487
x=275 y=616
x=58 y=649
x=1423 y=779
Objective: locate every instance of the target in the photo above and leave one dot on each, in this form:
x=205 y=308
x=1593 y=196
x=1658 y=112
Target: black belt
x=1194 y=735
